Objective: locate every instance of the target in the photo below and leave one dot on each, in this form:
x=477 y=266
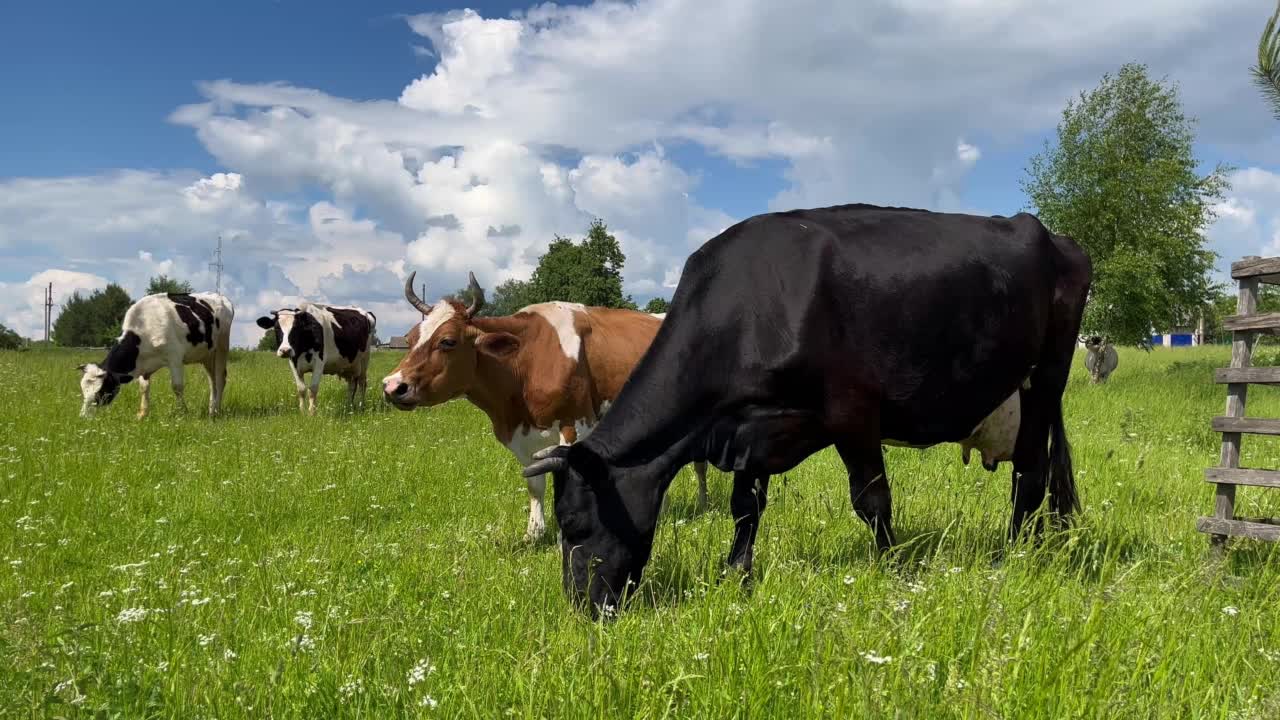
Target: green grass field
x=265 y=564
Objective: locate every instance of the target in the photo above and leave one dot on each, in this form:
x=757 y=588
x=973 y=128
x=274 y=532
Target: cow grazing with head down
x=1101 y=358
x=324 y=340
x=544 y=375
x=165 y=330
x=853 y=326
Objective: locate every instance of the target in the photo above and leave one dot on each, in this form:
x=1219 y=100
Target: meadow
x=370 y=564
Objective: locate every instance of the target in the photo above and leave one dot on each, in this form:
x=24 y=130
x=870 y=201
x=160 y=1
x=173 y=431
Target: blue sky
x=339 y=145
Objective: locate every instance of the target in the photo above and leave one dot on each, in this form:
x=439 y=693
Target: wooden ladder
x=1245 y=326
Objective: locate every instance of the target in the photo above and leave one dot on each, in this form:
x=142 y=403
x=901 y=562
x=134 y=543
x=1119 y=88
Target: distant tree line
x=587 y=272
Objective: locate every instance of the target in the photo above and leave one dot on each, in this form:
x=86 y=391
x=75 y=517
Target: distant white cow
x=1100 y=358
x=164 y=330
x=324 y=340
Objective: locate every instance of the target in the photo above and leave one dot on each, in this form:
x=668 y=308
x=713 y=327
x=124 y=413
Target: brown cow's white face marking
x=438 y=367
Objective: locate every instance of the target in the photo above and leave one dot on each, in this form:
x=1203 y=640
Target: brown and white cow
x=544 y=375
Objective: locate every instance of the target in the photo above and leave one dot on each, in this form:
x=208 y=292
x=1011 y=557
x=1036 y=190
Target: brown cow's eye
x=448 y=343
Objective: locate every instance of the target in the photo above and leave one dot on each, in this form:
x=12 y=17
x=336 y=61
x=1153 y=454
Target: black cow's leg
x=750 y=496
x=869 y=491
x=1030 y=463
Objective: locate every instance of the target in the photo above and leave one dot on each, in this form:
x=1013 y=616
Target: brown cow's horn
x=412 y=296
x=477 y=295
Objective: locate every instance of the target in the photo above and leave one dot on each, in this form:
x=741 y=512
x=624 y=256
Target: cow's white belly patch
x=526 y=441
x=994 y=438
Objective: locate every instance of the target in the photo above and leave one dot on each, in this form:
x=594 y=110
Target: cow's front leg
x=144 y=389
x=317 y=374
x=750 y=496
x=869 y=491
x=537 y=523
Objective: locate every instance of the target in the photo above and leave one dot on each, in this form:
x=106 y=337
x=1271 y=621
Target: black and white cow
x=166 y=330
x=853 y=326
x=1101 y=358
x=324 y=340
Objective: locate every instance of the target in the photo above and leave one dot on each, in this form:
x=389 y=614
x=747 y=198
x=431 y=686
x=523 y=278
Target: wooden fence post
x=1245 y=325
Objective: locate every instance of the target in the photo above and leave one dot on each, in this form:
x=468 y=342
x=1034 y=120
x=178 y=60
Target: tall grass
x=265 y=564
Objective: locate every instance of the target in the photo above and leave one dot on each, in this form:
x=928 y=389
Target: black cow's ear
x=497 y=344
x=266 y=323
x=82 y=367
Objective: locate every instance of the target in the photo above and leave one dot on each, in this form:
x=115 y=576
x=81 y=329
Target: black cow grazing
x=324 y=340
x=852 y=326
x=165 y=330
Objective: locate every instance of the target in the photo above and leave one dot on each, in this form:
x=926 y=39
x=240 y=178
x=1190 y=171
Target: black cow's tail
x=1063 y=500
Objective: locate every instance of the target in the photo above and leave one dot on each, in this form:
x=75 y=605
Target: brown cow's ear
x=497 y=344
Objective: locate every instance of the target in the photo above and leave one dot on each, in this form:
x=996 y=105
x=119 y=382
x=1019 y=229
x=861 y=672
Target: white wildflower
x=229 y=655
x=352 y=687
x=848 y=579
x=132 y=615
x=700 y=657
x=306 y=644
x=1231 y=611
x=875 y=659
x=303 y=619
x=204 y=640
x=428 y=702
x=420 y=672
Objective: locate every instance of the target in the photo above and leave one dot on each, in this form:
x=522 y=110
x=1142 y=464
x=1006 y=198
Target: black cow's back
x=814 y=323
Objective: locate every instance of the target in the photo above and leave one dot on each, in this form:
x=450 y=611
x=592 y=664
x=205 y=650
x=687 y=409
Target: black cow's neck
x=122 y=358
x=656 y=424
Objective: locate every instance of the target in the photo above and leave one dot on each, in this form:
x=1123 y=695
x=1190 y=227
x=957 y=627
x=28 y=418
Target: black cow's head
x=99 y=387
x=297 y=333
x=606 y=535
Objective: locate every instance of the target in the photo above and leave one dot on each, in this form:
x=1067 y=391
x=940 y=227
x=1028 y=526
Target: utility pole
x=48 y=310
x=216 y=265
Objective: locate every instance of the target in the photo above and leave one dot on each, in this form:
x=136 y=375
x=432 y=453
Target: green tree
x=10 y=340
x=1266 y=74
x=1122 y=181
x=657 y=306
x=92 y=321
x=589 y=272
x=269 y=341
x=165 y=284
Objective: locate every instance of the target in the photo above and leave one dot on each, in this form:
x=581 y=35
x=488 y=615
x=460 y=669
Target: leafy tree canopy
x=1122 y=181
x=165 y=284
x=10 y=340
x=657 y=306
x=92 y=321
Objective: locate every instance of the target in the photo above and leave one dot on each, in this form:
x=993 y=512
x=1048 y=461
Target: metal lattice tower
x=217 y=266
x=48 y=310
